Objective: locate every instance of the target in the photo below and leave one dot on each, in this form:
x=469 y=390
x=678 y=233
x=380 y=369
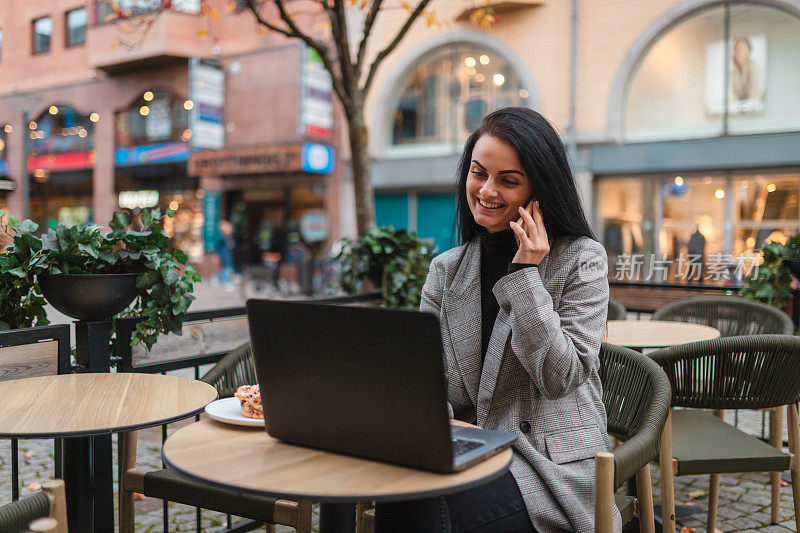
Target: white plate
x=229 y=410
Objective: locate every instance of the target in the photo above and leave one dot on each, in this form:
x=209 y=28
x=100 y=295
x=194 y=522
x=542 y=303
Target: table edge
x=404 y=496
x=103 y=431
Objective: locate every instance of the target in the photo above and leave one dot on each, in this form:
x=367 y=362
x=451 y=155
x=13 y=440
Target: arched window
x=60 y=128
x=728 y=70
x=157 y=116
x=446 y=96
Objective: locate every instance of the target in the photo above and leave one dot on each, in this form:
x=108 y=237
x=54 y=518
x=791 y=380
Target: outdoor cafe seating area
x=668 y=379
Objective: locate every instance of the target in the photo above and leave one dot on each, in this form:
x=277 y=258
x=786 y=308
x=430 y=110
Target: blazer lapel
x=462 y=305
x=501 y=333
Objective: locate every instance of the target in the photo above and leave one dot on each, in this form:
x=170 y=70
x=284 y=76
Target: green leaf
x=12 y=221
x=28 y=226
x=87 y=249
x=181 y=256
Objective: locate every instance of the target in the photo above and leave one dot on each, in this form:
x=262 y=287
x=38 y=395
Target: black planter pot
x=794 y=266
x=89 y=296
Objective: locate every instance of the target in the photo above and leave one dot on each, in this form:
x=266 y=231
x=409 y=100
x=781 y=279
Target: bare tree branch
x=338 y=18
x=373 y=68
x=362 y=47
x=251 y=5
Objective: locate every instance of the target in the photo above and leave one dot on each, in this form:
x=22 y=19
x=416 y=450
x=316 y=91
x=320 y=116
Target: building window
x=76 y=26
x=445 y=98
x=60 y=129
x=731 y=69
x=42 y=31
x=156 y=116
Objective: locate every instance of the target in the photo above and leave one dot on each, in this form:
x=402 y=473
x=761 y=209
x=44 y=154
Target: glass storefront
x=731 y=69
x=165 y=186
x=719 y=216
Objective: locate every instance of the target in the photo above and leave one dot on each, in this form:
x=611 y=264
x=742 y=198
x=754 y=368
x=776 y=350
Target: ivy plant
x=165 y=282
x=773 y=284
x=395 y=261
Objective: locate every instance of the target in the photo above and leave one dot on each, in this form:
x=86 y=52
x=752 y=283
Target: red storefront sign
x=65 y=161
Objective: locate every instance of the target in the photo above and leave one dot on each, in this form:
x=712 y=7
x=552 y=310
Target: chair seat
x=166 y=485
x=704 y=444
x=626 y=506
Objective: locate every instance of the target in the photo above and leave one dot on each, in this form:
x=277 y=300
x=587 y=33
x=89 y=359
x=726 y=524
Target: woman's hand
x=531 y=235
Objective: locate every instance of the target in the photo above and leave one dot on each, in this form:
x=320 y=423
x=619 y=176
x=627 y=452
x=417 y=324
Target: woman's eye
x=478 y=173
x=510 y=182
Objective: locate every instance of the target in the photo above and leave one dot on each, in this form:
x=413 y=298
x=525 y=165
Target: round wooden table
x=640 y=334
x=82 y=405
x=248 y=460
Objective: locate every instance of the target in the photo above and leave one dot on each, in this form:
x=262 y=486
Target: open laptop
x=361 y=381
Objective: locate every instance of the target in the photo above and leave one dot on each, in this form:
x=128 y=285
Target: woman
x=522 y=303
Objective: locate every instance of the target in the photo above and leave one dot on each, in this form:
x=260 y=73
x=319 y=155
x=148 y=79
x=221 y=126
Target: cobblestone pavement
x=744 y=502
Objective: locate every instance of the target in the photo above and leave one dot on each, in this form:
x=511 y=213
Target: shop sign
x=210 y=220
x=60 y=162
x=8 y=185
x=207 y=92
x=316 y=97
x=246 y=161
x=317 y=158
x=153 y=153
x=141 y=199
x=314 y=226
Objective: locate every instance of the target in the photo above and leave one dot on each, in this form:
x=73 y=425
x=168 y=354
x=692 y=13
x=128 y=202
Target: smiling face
x=496 y=184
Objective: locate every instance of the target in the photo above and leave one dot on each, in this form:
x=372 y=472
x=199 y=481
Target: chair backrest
x=33 y=352
x=616 y=311
x=232 y=371
x=745 y=372
x=636 y=395
x=731 y=316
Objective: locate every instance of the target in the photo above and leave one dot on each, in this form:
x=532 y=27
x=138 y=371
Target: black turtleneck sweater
x=497 y=252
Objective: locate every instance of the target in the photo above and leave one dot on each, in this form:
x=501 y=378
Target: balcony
x=498 y=6
x=121 y=47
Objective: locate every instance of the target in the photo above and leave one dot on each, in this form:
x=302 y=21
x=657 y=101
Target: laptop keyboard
x=462 y=446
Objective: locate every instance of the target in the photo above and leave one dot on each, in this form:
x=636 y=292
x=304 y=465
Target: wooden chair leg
x=127 y=441
x=667 y=481
x=644 y=486
x=713 y=499
x=776 y=440
x=604 y=492
x=361 y=517
x=58 y=503
x=794 y=442
x=303 y=517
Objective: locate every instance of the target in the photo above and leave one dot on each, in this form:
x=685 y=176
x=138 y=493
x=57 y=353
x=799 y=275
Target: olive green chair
x=744 y=372
x=44 y=511
x=233 y=370
x=616 y=311
x=731 y=316
x=636 y=395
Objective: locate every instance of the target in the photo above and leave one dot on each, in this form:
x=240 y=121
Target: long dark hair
x=544 y=160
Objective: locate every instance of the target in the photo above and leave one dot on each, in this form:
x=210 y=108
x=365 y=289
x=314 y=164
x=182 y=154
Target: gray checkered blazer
x=539 y=379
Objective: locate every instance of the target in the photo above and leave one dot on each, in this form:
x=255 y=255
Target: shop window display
x=60 y=129
x=157 y=116
x=716 y=222
x=767 y=208
x=446 y=96
x=731 y=69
